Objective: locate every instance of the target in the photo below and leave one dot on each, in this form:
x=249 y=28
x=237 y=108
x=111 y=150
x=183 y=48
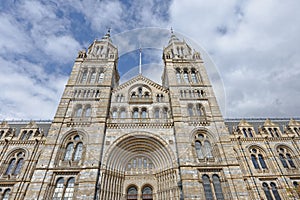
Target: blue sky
x=254 y=44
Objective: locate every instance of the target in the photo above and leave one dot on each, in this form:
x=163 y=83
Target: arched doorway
x=136 y=167
x=132 y=193
x=147 y=193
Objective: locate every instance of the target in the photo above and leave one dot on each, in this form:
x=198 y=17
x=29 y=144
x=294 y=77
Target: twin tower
x=140 y=140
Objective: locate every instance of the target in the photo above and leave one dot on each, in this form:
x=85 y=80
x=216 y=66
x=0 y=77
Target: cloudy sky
x=255 y=46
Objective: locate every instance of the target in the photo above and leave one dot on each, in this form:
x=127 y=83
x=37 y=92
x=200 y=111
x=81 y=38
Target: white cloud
x=254 y=44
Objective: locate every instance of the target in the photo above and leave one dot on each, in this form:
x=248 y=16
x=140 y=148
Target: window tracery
x=15 y=163
x=73 y=148
x=257 y=159
x=64 y=190
x=285 y=157
x=203 y=147
x=270 y=196
x=212 y=187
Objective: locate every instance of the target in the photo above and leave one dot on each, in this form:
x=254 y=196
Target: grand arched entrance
x=141 y=167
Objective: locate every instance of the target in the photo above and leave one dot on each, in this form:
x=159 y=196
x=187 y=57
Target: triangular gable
x=269 y=123
x=244 y=123
x=142 y=80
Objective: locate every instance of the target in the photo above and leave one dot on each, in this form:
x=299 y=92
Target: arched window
x=267 y=191
x=24 y=135
x=140 y=92
x=11 y=166
x=207 y=187
x=190 y=110
x=6 y=194
x=245 y=132
x=59 y=189
x=156 y=113
x=15 y=164
x=199 y=109
x=101 y=77
x=84 y=76
x=185 y=76
x=114 y=113
x=283 y=161
x=274 y=191
x=262 y=161
x=123 y=113
x=203 y=147
x=18 y=166
x=178 y=76
x=87 y=112
x=217 y=187
x=198 y=147
x=147 y=193
x=135 y=113
x=78 y=111
x=74 y=149
x=290 y=160
x=165 y=113
x=69 y=189
x=285 y=157
x=69 y=151
x=144 y=113
x=132 y=193
x=78 y=151
x=93 y=76
x=208 y=149
x=258 y=159
x=276 y=132
x=194 y=77
x=254 y=162
x=250 y=132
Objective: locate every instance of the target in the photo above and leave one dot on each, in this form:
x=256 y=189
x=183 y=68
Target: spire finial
x=172 y=30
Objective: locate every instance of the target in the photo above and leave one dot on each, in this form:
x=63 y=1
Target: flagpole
x=140 y=65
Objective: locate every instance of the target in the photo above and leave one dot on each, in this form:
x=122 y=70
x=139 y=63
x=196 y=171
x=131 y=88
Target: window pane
x=290 y=160
x=93 y=77
x=101 y=77
x=69 y=151
x=156 y=115
x=254 y=161
x=262 y=161
x=267 y=191
x=275 y=191
x=282 y=159
x=208 y=150
x=69 y=189
x=59 y=188
x=88 y=112
x=190 y=110
x=10 y=166
x=19 y=166
x=6 y=194
x=207 y=188
x=198 y=147
x=78 y=152
x=217 y=187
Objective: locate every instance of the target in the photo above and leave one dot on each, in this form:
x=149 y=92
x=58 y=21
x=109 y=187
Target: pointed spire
x=173 y=37
x=107 y=35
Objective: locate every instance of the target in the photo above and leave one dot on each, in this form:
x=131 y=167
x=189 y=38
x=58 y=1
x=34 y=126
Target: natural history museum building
x=142 y=140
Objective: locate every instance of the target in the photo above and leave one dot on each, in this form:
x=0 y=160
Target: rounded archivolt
x=137 y=146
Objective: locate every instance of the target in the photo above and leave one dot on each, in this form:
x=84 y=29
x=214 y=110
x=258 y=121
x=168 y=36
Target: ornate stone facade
x=142 y=140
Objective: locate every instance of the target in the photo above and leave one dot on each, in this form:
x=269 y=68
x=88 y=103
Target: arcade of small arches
x=188 y=76
x=91 y=75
